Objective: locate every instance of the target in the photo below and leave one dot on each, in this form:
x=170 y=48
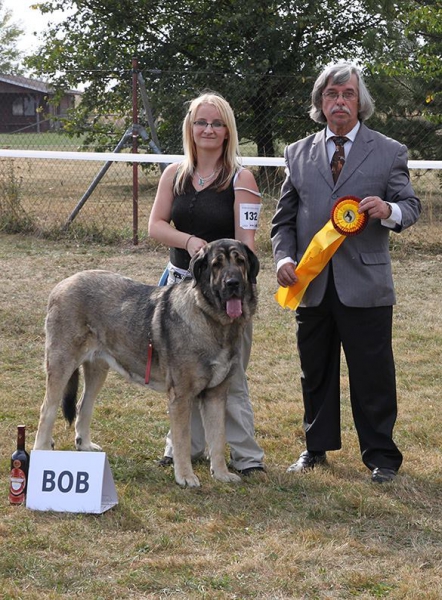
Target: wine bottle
x=18 y=479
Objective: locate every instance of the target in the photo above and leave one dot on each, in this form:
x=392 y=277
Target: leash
x=148 y=364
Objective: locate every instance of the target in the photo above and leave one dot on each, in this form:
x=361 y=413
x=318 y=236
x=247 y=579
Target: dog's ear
x=253 y=264
x=198 y=263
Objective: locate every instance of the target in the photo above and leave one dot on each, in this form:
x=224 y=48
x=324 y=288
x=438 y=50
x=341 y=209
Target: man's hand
x=375 y=207
x=286 y=275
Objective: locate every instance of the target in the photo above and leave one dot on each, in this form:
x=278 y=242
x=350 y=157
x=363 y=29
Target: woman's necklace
x=203 y=180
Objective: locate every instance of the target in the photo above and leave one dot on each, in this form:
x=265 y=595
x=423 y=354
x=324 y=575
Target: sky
x=28 y=19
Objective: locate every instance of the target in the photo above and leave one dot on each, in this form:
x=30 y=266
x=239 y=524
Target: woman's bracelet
x=188 y=240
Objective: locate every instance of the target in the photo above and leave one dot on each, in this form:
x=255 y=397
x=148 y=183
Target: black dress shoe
x=307 y=461
x=250 y=471
x=380 y=475
x=166 y=461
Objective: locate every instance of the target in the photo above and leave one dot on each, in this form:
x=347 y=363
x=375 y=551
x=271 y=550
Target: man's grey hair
x=339 y=74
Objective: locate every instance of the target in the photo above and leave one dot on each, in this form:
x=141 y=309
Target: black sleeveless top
x=207 y=214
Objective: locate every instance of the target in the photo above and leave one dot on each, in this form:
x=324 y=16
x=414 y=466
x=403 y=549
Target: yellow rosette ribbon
x=344 y=221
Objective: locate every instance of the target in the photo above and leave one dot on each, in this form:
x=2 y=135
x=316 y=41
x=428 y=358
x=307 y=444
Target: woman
x=208 y=197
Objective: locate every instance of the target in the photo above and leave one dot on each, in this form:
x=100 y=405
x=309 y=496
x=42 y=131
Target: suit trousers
x=365 y=336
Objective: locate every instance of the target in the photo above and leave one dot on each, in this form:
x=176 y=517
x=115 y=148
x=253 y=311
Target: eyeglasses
x=201 y=123
x=349 y=95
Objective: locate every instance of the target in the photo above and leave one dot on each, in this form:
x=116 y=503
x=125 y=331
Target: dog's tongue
x=234 y=308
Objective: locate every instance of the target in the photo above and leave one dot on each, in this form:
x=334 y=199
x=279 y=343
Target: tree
x=410 y=77
x=423 y=26
x=9 y=34
x=262 y=56
x=422 y=22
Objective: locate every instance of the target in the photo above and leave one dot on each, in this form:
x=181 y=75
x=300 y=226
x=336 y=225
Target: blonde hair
x=230 y=162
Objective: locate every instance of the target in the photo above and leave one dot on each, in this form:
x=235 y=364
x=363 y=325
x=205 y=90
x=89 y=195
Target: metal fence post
x=135 y=150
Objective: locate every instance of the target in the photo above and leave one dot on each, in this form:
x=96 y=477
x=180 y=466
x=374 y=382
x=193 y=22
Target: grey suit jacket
x=375 y=166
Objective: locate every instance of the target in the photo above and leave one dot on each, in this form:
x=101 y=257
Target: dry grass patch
x=325 y=535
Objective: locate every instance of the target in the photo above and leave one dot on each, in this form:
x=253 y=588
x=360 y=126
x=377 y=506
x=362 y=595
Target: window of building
x=25 y=105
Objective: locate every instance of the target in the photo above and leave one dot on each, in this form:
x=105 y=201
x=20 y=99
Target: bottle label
x=17 y=484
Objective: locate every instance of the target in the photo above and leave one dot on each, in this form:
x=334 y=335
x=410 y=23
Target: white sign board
x=79 y=482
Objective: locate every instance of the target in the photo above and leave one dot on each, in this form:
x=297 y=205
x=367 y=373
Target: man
x=349 y=303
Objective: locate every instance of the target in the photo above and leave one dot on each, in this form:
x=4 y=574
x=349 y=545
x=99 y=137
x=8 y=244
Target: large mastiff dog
x=185 y=336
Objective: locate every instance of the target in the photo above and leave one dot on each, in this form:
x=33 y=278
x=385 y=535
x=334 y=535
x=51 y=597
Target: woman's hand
x=194 y=244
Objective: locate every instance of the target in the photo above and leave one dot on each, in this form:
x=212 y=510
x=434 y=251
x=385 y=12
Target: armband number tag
x=249 y=215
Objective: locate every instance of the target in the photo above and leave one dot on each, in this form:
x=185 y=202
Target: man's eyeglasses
x=330 y=95
x=201 y=123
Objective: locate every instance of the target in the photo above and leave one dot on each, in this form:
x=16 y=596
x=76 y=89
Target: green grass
x=325 y=535
x=50 y=140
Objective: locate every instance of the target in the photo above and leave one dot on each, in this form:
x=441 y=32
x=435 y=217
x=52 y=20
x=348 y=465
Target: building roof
x=31 y=84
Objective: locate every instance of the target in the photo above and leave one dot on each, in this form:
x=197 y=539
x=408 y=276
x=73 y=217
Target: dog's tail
x=69 y=403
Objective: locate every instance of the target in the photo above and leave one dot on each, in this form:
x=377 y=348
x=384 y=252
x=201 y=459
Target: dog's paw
x=189 y=480
x=226 y=477
x=86 y=446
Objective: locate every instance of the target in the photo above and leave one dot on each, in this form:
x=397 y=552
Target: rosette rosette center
x=345 y=217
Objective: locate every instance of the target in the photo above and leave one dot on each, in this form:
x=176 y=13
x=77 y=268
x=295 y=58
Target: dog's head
x=225 y=272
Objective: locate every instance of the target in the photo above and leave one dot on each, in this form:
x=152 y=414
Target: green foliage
x=422 y=21
x=9 y=34
x=260 y=55
x=415 y=61
x=403 y=112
